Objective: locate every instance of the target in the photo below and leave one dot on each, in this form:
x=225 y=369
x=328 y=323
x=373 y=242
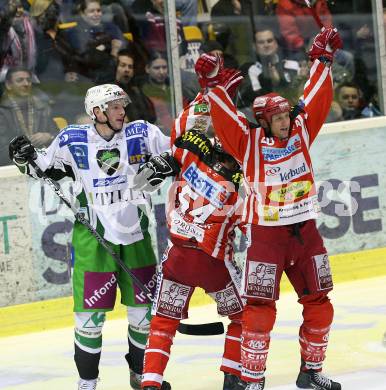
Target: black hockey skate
x=232 y=382
x=165 y=386
x=251 y=385
x=315 y=380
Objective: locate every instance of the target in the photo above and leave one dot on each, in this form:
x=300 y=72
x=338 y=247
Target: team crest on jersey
x=108 y=160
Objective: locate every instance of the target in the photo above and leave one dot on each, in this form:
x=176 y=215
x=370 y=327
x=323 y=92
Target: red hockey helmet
x=264 y=107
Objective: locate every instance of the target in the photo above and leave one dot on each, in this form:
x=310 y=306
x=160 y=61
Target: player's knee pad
x=88 y=331
x=259 y=316
x=139 y=325
x=318 y=311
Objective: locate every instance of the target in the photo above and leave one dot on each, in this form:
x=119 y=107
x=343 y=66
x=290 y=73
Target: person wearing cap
x=280 y=209
x=102 y=159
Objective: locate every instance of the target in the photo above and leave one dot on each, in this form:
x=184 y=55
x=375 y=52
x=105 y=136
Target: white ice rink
x=356 y=355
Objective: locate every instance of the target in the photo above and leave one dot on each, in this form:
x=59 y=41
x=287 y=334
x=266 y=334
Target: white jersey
x=103 y=172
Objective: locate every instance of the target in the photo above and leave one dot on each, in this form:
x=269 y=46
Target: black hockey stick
x=209 y=329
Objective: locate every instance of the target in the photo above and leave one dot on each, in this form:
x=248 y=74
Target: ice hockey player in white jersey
x=102 y=158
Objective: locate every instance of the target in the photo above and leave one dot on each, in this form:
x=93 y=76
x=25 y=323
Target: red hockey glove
x=230 y=80
x=325 y=44
x=208 y=69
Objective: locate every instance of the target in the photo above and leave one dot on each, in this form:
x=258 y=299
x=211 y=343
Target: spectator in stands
x=156 y=87
x=187 y=9
x=17 y=38
x=152 y=28
x=297 y=24
x=141 y=106
x=96 y=41
x=271 y=71
x=23 y=113
x=350 y=99
x=54 y=53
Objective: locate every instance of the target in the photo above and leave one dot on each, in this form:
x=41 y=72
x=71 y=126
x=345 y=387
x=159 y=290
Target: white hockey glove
x=152 y=174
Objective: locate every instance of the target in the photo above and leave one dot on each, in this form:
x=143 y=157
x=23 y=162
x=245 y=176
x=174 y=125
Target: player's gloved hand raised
x=230 y=80
x=152 y=174
x=21 y=150
x=208 y=69
x=325 y=44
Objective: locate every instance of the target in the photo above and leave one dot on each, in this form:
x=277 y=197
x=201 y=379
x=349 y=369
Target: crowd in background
x=52 y=51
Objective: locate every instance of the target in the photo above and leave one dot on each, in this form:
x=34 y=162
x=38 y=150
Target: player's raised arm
x=318 y=90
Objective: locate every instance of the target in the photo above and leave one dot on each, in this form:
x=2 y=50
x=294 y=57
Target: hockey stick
x=314 y=14
x=208 y=329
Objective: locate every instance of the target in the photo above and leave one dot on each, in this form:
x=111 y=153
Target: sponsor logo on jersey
x=286 y=171
x=108 y=160
x=273 y=154
x=72 y=135
x=291 y=192
x=202 y=143
x=201 y=108
x=80 y=155
x=116 y=196
x=270 y=213
x=214 y=192
x=136 y=129
x=136 y=151
x=109 y=181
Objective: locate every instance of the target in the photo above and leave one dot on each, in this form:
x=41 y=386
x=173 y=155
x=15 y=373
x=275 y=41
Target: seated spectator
x=297 y=25
x=152 y=28
x=96 y=41
x=17 y=38
x=156 y=87
x=23 y=113
x=141 y=106
x=351 y=105
x=271 y=71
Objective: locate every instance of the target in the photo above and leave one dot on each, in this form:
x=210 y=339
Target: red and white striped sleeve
x=230 y=125
x=317 y=97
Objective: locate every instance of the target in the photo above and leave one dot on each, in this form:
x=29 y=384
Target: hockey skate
x=165 y=386
x=251 y=385
x=315 y=380
x=135 y=380
x=232 y=382
x=90 y=384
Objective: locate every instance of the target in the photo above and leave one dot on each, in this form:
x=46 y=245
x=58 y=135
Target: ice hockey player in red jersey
x=280 y=210
x=203 y=211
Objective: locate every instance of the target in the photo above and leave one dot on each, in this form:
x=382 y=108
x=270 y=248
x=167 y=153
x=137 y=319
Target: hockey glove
x=152 y=174
x=21 y=150
x=325 y=44
x=208 y=69
x=230 y=80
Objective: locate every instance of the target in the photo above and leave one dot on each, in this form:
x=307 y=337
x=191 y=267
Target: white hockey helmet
x=100 y=95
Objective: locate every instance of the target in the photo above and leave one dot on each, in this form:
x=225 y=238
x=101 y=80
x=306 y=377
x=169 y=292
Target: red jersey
x=278 y=174
x=204 y=207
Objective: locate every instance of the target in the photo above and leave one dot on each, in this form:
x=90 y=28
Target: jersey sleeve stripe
x=316 y=86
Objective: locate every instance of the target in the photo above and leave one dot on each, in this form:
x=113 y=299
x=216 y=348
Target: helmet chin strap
x=107 y=123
